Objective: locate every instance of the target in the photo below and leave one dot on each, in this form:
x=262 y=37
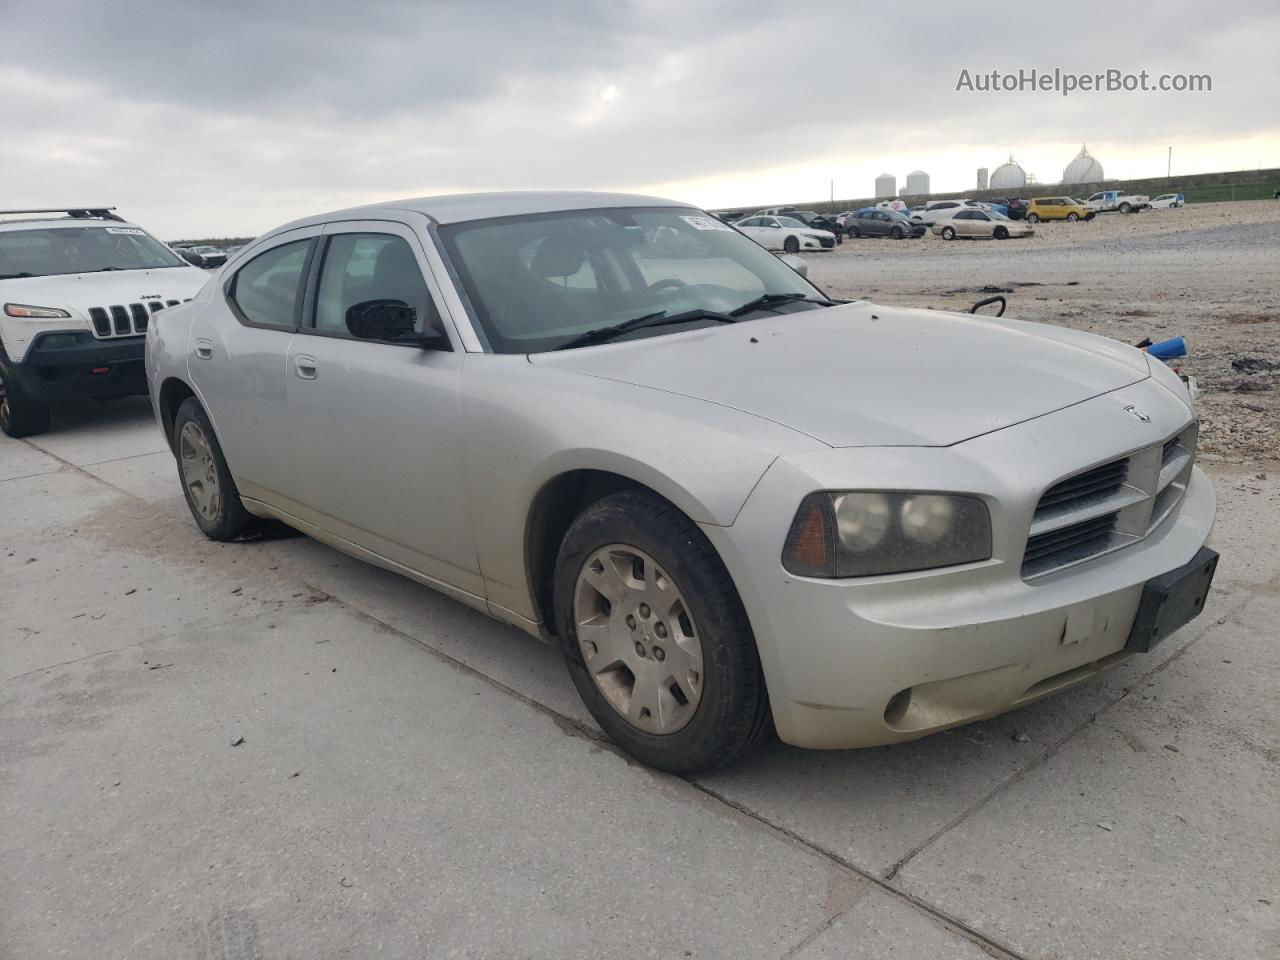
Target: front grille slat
x=1105 y=507
x=120 y=316
x=124 y=319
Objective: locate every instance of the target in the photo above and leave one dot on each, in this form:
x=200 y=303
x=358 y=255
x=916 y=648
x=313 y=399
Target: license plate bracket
x=1172 y=600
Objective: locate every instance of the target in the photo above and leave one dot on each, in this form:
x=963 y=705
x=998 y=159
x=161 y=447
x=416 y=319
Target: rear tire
x=791 y=245
x=1126 y=208
x=730 y=705
x=206 y=480
x=21 y=415
x=1073 y=217
x=948 y=233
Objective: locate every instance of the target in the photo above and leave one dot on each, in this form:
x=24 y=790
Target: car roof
x=458 y=208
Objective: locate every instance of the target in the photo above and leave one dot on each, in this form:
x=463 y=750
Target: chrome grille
x=126 y=319
x=1109 y=506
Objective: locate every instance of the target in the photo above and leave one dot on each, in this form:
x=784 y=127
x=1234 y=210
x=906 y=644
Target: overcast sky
x=228 y=117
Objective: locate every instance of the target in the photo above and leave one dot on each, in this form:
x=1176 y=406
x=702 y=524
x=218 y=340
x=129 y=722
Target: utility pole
x=833 y=191
x=1168 y=170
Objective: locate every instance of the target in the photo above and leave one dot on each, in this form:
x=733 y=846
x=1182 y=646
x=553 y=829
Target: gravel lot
x=1209 y=273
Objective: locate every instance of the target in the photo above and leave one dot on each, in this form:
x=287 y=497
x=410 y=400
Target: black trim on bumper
x=73 y=363
x=1171 y=600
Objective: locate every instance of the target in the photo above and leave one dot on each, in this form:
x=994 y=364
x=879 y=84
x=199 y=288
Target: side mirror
x=798 y=264
x=392 y=321
x=776 y=226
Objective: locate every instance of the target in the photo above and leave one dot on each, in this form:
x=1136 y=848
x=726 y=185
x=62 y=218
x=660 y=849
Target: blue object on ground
x=1168 y=349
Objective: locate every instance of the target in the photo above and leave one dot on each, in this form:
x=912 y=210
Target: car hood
x=867 y=375
x=80 y=291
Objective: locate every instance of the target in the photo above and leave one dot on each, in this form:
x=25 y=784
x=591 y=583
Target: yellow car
x=1057 y=208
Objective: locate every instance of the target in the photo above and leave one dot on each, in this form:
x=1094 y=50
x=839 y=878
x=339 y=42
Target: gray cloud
x=233 y=116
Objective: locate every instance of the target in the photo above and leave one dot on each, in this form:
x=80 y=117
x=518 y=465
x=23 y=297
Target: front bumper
x=876 y=660
x=73 y=363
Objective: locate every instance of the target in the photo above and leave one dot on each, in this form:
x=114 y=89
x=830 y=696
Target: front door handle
x=204 y=349
x=305 y=367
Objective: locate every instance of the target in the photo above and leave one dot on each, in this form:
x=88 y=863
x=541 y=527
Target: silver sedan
x=735 y=504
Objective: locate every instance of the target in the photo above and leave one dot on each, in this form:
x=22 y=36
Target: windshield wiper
x=658 y=318
x=771 y=298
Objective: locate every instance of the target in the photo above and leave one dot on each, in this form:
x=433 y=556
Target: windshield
x=792 y=222
x=538 y=281
x=62 y=250
x=996 y=215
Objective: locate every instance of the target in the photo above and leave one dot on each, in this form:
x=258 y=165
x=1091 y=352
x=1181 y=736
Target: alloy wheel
x=638 y=639
x=199 y=472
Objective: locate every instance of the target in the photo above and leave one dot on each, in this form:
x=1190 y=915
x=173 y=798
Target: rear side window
x=359 y=267
x=267 y=290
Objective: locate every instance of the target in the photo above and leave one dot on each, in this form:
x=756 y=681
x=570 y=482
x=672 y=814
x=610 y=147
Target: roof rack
x=76 y=213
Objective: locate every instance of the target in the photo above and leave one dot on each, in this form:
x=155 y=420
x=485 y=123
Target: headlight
x=861 y=534
x=814 y=236
x=34 y=313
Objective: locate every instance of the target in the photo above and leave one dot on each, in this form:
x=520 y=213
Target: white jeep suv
x=77 y=289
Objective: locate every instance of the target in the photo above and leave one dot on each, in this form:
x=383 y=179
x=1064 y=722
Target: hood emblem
x=1135 y=412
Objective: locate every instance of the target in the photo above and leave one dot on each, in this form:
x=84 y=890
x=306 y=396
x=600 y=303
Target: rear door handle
x=204 y=349
x=305 y=367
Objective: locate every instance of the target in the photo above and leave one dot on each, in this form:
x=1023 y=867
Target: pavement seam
x=132 y=456
x=79 y=469
x=1052 y=750
x=575 y=728
x=28 y=476
x=67 y=663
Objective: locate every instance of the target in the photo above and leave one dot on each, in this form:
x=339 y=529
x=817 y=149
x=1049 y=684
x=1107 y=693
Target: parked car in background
x=785 y=233
x=79 y=288
x=936 y=210
x=1057 y=208
x=896 y=204
x=981 y=224
x=734 y=525
x=212 y=256
x=1015 y=208
x=877 y=222
x=816 y=220
x=1167 y=200
x=189 y=255
x=1113 y=201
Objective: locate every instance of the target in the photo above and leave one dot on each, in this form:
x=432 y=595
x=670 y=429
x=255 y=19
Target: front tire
x=1001 y=233
x=791 y=245
x=21 y=415
x=206 y=480
x=897 y=233
x=655 y=636
x=1033 y=218
x=948 y=233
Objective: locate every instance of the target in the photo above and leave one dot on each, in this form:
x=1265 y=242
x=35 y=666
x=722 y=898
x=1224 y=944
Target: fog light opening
x=897 y=707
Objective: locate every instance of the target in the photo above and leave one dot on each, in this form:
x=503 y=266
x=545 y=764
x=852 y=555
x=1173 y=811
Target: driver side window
x=360 y=267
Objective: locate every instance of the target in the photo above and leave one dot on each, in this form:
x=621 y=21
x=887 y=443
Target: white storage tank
x=886 y=186
x=1084 y=168
x=982 y=178
x=917 y=184
x=1008 y=176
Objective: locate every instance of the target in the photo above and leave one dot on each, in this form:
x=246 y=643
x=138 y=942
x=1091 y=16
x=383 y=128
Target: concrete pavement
x=417 y=780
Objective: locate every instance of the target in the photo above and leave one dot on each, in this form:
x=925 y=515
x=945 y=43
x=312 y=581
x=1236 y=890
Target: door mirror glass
x=392 y=320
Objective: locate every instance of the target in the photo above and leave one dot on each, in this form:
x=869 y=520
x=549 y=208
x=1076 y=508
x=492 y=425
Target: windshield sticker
x=705 y=223
x=131 y=231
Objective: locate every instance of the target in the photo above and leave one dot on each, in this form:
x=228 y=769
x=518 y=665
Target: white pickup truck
x=1108 y=201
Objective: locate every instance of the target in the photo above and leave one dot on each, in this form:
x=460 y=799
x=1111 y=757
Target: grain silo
x=982 y=178
x=917 y=184
x=886 y=186
x=1085 y=168
x=1008 y=176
